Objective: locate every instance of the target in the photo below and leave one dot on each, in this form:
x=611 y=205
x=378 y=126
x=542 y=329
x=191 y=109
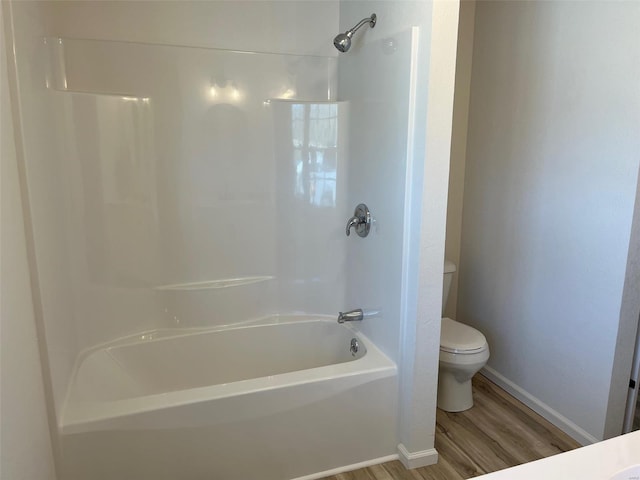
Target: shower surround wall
x=399 y=148
x=109 y=223
x=187 y=216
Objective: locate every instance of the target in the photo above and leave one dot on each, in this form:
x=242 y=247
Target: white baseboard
x=423 y=458
x=348 y=468
x=541 y=408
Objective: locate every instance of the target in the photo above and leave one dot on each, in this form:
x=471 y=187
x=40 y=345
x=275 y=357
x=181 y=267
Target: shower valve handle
x=353 y=222
x=361 y=221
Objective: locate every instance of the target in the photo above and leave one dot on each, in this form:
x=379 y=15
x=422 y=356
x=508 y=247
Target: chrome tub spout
x=351 y=316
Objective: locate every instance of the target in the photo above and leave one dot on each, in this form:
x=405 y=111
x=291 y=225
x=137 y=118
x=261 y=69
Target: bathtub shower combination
x=196 y=214
x=219 y=237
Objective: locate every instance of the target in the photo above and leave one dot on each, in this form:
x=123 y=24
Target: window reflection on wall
x=114 y=150
x=125 y=150
x=315 y=136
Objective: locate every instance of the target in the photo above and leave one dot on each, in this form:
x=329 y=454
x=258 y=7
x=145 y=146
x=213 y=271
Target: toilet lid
x=456 y=337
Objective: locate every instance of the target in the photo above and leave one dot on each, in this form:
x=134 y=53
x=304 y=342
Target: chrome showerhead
x=343 y=40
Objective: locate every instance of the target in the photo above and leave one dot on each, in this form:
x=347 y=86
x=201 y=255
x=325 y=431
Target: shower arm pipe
x=370 y=20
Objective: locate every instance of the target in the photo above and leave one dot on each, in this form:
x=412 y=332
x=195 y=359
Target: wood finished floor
x=498 y=432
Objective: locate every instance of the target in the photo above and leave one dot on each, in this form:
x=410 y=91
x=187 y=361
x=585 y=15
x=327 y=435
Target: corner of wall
x=627 y=331
x=28 y=454
x=423 y=458
x=422 y=334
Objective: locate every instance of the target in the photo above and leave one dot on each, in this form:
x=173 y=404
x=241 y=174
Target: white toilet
x=463 y=352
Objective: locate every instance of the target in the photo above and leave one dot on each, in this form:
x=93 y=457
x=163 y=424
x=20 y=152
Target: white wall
x=25 y=444
x=421 y=380
x=400 y=143
x=551 y=178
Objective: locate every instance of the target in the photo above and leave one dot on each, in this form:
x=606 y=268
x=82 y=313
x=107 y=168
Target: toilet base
x=454 y=396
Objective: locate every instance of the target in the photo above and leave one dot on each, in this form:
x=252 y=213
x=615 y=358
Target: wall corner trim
x=423 y=458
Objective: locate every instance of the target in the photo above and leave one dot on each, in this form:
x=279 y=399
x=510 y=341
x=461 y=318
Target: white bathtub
x=278 y=400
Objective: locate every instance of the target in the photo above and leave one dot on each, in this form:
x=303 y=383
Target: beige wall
x=25 y=449
x=550 y=188
x=459 y=144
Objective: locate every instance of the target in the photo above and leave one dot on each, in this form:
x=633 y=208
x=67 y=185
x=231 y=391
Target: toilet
x=463 y=352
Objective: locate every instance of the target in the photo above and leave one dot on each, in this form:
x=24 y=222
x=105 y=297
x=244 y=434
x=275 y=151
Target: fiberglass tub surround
x=197 y=201
x=206 y=187
x=205 y=201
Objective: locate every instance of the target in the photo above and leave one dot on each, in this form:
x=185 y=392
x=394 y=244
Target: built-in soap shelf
x=215 y=284
x=212 y=75
x=62 y=77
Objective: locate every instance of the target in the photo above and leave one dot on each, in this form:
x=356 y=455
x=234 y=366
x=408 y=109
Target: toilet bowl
x=463 y=352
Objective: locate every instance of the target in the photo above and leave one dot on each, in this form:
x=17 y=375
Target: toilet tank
x=449 y=270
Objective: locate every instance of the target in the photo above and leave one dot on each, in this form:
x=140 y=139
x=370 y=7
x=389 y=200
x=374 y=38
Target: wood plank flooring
x=498 y=432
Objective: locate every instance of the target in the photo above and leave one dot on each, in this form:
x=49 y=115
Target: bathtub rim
x=78 y=417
